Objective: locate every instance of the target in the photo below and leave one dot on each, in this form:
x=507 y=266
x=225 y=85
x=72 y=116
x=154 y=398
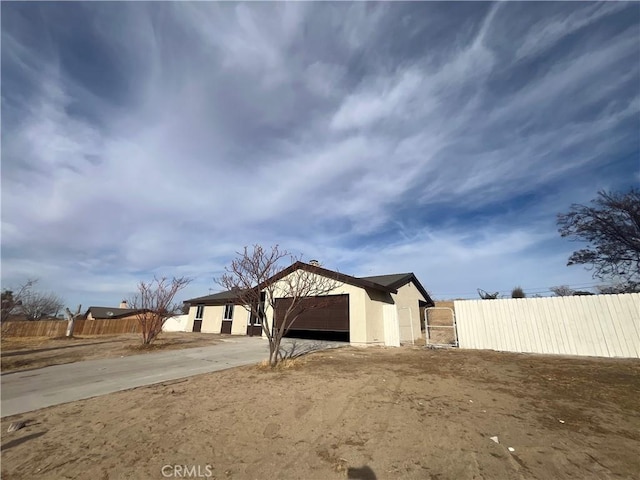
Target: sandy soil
x=20 y=353
x=374 y=413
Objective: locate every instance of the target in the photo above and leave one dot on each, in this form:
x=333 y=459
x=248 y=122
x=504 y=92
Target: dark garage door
x=329 y=313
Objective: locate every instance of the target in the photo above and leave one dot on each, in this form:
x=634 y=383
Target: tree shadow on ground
x=294 y=348
x=27 y=351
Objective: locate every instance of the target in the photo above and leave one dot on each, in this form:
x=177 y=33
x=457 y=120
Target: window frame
x=199 y=312
x=228 y=308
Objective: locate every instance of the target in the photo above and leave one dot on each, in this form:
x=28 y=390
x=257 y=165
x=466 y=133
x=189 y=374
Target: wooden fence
x=58 y=328
x=595 y=325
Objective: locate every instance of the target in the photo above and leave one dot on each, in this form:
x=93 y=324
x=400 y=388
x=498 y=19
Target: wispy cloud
x=550 y=30
x=435 y=138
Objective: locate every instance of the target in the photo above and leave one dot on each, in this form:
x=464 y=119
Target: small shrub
x=518 y=293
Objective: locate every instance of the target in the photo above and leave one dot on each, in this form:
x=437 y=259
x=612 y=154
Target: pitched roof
x=216 y=298
x=383 y=283
x=109 y=312
x=397 y=280
x=388 y=280
x=341 y=277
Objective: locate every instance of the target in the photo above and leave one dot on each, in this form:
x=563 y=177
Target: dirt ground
x=374 y=413
x=20 y=353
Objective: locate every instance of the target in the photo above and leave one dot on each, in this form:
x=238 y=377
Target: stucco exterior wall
x=212 y=319
x=407 y=300
x=375 y=301
x=240 y=320
x=190 y=317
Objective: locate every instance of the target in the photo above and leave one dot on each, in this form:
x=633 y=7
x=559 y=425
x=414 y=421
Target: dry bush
x=285 y=364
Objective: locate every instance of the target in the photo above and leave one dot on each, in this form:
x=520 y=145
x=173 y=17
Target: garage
x=323 y=317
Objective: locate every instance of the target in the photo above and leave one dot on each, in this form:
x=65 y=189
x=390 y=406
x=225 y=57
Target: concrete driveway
x=34 y=389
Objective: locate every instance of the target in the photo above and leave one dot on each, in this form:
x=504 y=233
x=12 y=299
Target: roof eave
x=341 y=277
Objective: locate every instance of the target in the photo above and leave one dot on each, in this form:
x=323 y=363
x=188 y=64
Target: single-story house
x=376 y=310
x=110 y=313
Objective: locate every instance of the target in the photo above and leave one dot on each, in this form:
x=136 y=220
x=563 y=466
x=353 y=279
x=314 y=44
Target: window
x=261 y=312
x=228 y=312
x=199 y=312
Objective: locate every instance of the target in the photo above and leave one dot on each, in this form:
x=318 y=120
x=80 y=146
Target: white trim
x=224 y=313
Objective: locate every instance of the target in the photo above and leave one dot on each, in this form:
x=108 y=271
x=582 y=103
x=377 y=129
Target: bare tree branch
x=154 y=304
x=30 y=304
x=611 y=229
x=562 y=291
x=251 y=277
x=12 y=300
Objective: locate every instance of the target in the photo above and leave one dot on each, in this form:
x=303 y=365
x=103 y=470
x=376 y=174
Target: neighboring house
x=110 y=313
x=378 y=310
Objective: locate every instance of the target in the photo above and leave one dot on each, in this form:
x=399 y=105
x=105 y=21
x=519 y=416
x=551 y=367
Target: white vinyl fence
x=591 y=325
x=391 y=326
x=176 y=324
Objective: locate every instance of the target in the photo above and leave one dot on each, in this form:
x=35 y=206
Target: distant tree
x=38 y=305
x=611 y=229
x=562 y=291
x=12 y=299
x=250 y=276
x=8 y=304
x=582 y=292
x=622 y=287
x=154 y=304
x=517 y=292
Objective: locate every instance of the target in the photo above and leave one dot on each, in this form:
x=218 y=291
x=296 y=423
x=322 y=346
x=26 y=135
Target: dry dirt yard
x=370 y=413
x=20 y=353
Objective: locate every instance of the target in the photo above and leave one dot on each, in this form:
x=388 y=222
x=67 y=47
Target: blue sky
x=438 y=138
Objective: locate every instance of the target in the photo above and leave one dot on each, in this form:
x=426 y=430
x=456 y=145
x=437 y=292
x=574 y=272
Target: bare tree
x=562 y=291
x=611 y=229
x=154 y=304
x=254 y=278
x=39 y=305
x=12 y=300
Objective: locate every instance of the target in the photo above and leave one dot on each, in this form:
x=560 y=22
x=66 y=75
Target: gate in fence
x=440 y=326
